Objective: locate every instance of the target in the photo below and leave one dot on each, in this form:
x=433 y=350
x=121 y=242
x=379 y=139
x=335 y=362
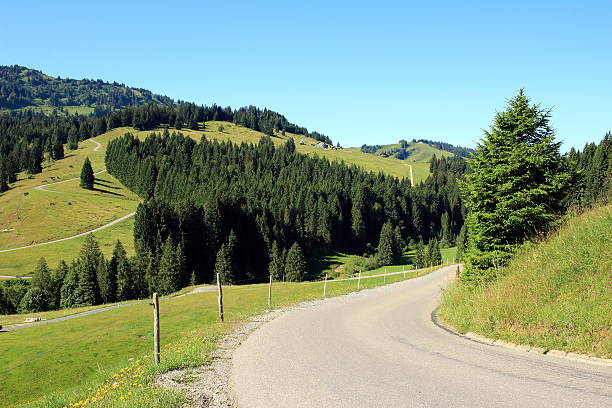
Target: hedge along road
x=44 y=187
x=380 y=348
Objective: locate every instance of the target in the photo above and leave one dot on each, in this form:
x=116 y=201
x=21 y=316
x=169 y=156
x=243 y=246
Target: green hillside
x=554 y=294
x=25 y=89
x=29 y=216
x=409 y=151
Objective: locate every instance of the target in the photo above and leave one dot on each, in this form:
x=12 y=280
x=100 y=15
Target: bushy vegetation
x=553 y=294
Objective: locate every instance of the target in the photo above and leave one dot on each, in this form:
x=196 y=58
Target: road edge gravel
x=522 y=347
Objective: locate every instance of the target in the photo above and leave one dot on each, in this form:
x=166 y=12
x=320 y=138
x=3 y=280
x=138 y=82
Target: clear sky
x=360 y=72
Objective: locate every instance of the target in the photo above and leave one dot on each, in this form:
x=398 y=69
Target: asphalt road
x=380 y=348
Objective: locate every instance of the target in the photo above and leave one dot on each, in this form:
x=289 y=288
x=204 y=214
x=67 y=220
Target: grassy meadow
x=108 y=354
x=555 y=294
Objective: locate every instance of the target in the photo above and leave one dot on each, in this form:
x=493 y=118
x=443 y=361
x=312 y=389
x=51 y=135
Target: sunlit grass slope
x=556 y=294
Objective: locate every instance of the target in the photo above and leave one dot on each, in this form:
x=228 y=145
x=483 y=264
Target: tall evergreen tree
x=223 y=265
x=73 y=139
x=88 y=264
x=170 y=268
x=420 y=257
x=123 y=271
x=385 y=252
x=87 y=175
x=276 y=267
x=515 y=188
x=295 y=264
x=69 y=296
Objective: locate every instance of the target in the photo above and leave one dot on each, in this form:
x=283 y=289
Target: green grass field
x=555 y=294
x=94 y=351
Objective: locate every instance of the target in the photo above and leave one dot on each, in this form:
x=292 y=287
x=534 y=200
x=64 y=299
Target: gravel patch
x=208 y=385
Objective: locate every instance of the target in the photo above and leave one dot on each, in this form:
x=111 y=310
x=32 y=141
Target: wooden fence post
x=359 y=281
x=220 y=290
x=457 y=273
x=270 y=292
x=155 y=328
x=325 y=286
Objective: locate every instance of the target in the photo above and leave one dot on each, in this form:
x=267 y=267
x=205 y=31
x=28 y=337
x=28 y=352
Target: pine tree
x=295 y=264
x=57 y=151
x=223 y=265
x=87 y=175
x=40 y=292
x=515 y=188
x=73 y=139
x=276 y=267
x=170 y=269
x=69 y=295
x=107 y=277
x=88 y=264
x=123 y=271
x=57 y=278
x=385 y=251
x=420 y=257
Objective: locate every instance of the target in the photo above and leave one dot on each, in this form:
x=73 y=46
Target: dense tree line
x=26 y=141
x=22 y=87
x=236 y=208
x=591 y=169
x=88 y=280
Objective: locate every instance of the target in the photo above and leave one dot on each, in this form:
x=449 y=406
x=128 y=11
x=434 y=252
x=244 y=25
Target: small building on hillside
x=384 y=155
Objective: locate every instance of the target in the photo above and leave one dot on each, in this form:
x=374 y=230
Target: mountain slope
x=24 y=89
x=555 y=294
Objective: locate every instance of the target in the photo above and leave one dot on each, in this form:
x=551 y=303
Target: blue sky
x=360 y=72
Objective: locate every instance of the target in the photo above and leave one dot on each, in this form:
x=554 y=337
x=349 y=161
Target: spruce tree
x=73 y=139
x=87 y=175
x=386 y=245
x=420 y=257
x=295 y=264
x=276 y=268
x=123 y=271
x=515 y=188
x=57 y=278
x=88 y=264
x=57 y=149
x=170 y=269
x=223 y=265
x=68 y=292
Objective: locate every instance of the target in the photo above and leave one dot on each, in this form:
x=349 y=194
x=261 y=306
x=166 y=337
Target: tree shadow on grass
x=107 y=192
x=105 y=184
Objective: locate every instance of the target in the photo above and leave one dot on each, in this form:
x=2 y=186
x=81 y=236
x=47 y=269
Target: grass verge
x=555 y=294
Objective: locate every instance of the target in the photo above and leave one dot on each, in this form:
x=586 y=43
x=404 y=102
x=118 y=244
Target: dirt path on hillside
x=43 y=187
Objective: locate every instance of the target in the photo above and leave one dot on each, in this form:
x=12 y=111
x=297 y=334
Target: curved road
x=380 y=348
x=43 y=187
